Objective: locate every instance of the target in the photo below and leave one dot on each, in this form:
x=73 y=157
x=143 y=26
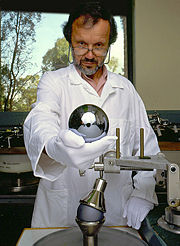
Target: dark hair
x=94 y=10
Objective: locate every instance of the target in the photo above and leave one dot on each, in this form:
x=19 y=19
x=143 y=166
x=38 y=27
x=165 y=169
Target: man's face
x=91 y=37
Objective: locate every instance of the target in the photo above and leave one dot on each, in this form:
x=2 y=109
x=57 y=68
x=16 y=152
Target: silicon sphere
x=90 y=122
x=89 y=214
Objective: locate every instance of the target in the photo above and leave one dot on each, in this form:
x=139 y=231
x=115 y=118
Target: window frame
x=121 y=8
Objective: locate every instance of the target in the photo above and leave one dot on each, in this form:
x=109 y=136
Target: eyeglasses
x=80 y=51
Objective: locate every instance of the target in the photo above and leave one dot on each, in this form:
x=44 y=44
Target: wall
x=157 y=53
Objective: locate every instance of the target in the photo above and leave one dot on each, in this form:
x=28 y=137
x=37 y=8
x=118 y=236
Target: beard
x=88 y=71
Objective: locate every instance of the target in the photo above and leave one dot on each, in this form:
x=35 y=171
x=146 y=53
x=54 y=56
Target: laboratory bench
x=169 y=146
x=15 y=217
x=150 y=231
x=16 y=211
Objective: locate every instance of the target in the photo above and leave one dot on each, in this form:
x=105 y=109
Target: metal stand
x=90 y=231
x=171 y=220
x=90 y=240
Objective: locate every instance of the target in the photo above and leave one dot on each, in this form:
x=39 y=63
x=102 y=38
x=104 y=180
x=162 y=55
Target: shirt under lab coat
x=61 y=188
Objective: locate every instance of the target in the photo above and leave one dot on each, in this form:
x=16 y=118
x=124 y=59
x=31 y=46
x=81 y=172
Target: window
x=118 y=63
x=32 y=43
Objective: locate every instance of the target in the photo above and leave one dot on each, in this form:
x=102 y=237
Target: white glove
x=136 y=210
x=71 y=150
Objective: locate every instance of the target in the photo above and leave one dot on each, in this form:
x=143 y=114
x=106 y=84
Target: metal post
x=141 y=143
x=90 y=240
x=118 y=143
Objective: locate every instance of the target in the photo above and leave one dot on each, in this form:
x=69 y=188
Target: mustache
x=89 y=60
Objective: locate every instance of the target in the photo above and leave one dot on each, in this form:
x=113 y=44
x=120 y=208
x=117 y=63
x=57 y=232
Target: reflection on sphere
x=90 y=122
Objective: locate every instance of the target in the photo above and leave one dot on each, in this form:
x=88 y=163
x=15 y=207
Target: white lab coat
x=61 y=188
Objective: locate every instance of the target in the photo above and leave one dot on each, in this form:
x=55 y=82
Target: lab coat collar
x=114 y=80
x=113 y=83
x=75 y=78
